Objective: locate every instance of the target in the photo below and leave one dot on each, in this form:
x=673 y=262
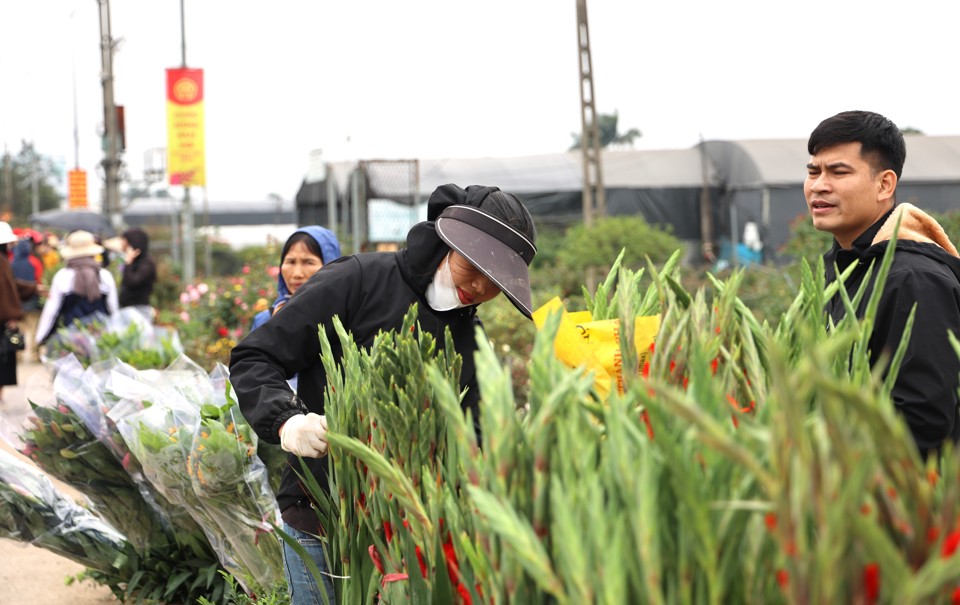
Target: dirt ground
x=31 y=575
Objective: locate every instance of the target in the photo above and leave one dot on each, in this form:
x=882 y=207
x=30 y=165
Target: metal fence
x=385 y=199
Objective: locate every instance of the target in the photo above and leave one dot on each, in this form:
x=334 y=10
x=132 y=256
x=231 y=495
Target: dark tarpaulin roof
x=548 y=172
x=776 y=162
x=665 y=185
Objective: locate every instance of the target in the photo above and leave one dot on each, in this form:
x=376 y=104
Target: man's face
x=845 y=195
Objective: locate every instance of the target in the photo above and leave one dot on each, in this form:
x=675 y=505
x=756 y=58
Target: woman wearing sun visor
x=475 y=244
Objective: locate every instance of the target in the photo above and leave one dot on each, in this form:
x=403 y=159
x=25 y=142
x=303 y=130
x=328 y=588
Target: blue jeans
x=303 y=588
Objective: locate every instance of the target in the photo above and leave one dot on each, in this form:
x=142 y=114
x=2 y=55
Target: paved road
x=34 y=384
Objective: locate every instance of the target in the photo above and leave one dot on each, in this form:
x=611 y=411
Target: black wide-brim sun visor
x=495 y=248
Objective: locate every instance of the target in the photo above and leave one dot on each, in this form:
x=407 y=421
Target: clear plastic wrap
x=108 y=390
x=79 y=339
x=33 y=511
x=198 y=451
x=160 y=436
x=59 y=441
x=126 y=335
x=79 y=439
x=231 y=482
x=186 y=379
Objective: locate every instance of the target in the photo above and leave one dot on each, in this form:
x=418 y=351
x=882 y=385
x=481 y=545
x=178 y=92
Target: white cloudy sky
x=457 y=78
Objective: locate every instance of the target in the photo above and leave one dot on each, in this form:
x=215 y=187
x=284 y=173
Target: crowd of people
x=81 y=286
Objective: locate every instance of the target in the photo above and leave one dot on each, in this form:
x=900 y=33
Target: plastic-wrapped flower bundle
x=77 y=443
x=160 y=436
x=105 y=392
x=60 y=443
x=126 y=335
x=32 y=510
x=227 y=474
x=231 y=482
x=200 y=454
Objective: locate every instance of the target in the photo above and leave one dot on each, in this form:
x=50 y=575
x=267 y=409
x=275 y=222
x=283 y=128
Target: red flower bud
x=871 y=582
x=770 y=519
x=783 y=578
x=950 y=544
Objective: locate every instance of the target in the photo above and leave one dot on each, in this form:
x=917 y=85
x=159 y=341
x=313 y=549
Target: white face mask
x=442 y=293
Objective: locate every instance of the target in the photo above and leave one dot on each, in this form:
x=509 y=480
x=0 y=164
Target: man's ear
x=887 y=185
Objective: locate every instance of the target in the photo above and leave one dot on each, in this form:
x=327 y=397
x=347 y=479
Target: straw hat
x=7 y=236
x=79 y=244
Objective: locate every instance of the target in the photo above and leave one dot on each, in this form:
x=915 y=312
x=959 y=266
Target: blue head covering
x=329 y=249
x=22 y=268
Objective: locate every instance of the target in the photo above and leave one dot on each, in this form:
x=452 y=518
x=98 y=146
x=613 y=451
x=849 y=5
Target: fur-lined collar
x=916 y=225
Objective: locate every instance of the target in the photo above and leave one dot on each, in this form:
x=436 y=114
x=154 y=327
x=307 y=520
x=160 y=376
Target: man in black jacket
x=856 y=161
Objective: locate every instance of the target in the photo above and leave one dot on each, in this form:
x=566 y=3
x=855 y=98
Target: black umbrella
x=73 y=220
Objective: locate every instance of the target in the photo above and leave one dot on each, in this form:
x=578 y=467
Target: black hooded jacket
x=370 y=292
x=924 y=273
x=136 y=284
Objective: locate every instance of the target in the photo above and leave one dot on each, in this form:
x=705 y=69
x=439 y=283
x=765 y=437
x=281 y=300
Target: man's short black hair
x=881 y=140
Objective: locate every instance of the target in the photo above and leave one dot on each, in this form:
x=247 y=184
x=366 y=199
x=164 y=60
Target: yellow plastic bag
x=581 y=341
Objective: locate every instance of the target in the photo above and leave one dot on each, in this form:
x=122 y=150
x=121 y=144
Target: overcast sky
x=454 y=78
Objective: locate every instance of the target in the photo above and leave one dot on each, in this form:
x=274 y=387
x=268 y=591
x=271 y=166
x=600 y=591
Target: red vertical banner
x=77 y=192
x=185 y=151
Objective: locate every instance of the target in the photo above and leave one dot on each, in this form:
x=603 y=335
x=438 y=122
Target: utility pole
x=73 y=82
x=594 y=197
x=189 y=248
x=111 y=159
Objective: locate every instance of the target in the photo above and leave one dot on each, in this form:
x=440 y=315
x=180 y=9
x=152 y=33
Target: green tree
x=565 y=259
x=607 y=125
x=17 y=183
x=597 y=245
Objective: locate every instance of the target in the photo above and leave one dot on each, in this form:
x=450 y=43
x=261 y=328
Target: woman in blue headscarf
x=304 y=253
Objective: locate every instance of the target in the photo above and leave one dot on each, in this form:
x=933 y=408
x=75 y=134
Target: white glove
x=305 y=435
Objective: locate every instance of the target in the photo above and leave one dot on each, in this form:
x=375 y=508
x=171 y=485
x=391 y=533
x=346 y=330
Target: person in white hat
x=81 y=289
x=12 y=291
